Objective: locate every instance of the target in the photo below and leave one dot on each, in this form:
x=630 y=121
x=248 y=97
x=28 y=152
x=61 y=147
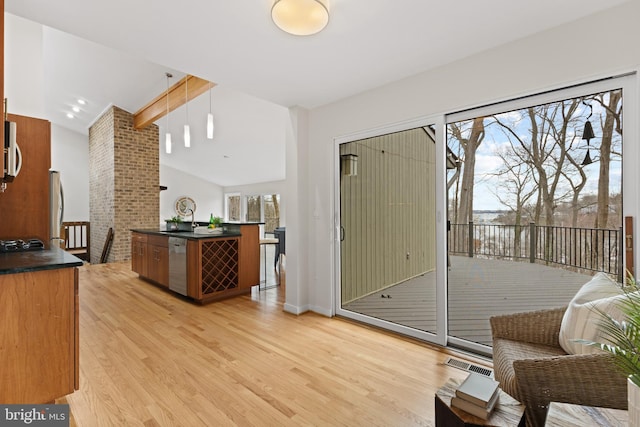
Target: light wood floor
x=149 y=358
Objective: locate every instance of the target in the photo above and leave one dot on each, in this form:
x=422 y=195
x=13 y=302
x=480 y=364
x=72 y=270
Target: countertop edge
x=30 y=261
x=185 y=234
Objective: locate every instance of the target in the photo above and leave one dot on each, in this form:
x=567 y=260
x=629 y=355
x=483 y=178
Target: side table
x=508 y=411
x=569 y=415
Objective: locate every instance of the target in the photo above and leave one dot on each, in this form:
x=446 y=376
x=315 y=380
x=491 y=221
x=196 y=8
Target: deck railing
x=593 y=249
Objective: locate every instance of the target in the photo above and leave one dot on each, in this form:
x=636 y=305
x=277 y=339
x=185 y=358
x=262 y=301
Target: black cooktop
x=21 y=245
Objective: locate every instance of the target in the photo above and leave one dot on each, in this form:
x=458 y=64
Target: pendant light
x=187 y=131
x=167 y=140
x=210 y=117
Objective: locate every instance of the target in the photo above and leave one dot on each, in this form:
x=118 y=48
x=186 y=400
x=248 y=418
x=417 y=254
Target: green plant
x=217 y=221
x=622 y=337
x=174 y=219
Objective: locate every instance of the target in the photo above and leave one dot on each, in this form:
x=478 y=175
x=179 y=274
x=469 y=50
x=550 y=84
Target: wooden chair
x=77 y=236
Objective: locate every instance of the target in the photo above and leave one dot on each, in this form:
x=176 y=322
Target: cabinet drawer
x=138 y=237
x=162 y=241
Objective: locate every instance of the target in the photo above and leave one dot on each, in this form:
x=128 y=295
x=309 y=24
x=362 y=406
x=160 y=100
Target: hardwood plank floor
x=150 y=358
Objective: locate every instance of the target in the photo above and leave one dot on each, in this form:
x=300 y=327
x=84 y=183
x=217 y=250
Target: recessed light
x=75 y=109
x=81 y=101
x=69 y=115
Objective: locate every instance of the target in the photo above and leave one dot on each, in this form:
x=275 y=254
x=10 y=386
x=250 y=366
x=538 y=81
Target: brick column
x=124 y=179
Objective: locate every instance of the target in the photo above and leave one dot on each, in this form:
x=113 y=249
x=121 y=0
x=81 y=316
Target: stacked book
x=477 y=395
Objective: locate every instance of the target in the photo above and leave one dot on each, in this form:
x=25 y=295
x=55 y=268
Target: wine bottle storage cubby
x=219 y=265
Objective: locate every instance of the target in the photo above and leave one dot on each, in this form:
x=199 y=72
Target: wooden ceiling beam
x=157 y=108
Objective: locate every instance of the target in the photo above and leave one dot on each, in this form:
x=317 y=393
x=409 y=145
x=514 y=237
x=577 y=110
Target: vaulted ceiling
x=117 y=52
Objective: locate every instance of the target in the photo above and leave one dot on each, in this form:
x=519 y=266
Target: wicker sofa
x=532 y=367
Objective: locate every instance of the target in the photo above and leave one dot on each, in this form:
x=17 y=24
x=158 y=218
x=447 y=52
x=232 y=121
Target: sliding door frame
x=440 y=335
x=631 y=152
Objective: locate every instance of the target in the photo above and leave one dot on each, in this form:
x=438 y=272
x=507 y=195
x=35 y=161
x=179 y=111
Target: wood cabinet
x=249 y=256
x=217 y=267
x=158 y=259
x=139 y=253
x=150 y=257
x=39 y=338
x=25 y=202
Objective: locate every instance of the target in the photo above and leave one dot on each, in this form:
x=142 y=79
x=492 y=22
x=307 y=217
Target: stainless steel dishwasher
x=178 y=265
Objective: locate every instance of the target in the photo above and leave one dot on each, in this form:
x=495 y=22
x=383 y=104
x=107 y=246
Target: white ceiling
x=116 y=53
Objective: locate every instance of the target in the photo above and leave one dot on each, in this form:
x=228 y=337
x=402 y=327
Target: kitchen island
x=39 y=338
x=202 y=267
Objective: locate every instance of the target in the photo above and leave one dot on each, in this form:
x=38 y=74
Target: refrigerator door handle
x=61 y=206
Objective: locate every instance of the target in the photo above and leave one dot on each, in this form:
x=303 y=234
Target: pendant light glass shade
x=210 y=126
x=210 y=118
x=187 y=131
x=167 y=143
x=187 y=136
x=300 y=17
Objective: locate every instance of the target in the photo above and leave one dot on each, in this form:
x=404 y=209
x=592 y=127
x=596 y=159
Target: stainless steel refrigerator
x=56 y=209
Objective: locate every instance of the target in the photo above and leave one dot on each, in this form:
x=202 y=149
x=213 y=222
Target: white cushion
x=582 y=319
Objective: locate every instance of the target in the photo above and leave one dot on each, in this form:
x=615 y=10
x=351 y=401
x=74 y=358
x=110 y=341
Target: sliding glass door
x=388 y=230
x=443 y=223
x=534 y=204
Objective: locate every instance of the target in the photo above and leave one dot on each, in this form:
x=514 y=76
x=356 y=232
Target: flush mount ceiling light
x=300 y=17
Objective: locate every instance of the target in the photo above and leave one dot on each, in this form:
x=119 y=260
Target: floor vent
x=468 y=367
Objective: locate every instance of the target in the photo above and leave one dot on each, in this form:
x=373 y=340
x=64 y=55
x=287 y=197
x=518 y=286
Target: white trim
x=294 y=309
x=321 y=311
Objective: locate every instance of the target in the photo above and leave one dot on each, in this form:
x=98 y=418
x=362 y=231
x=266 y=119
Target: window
x=232 y=207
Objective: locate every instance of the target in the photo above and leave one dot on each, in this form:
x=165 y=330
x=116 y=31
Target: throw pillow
x=581 y=319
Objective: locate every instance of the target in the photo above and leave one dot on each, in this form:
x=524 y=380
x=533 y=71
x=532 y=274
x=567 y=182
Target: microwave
x=12 y=154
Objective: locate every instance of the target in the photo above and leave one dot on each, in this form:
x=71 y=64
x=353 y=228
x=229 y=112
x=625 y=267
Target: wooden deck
x=478 y=289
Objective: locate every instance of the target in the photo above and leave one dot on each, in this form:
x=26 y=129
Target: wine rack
x=219 y=265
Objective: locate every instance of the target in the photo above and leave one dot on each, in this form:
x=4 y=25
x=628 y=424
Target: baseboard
x=294 y=309
x=322 y=311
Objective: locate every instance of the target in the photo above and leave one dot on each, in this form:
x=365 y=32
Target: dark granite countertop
x=187 y=234
x=47 y=259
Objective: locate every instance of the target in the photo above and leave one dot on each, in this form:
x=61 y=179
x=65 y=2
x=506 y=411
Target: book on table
x=478 y=389
x=483 y=412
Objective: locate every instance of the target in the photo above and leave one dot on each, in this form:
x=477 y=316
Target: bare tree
x=515 y=190
x=612 y=120
x=469 y=146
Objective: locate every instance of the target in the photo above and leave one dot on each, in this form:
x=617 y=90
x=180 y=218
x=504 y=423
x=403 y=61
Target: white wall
x=209 y=197
x=70 y=156
x=597 y=46
x=23 y=67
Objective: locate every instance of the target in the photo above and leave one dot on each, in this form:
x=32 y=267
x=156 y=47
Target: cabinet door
x=25 y=202
x=158 y=264
x=249 y=256
x=139 y=259
x=38 y=337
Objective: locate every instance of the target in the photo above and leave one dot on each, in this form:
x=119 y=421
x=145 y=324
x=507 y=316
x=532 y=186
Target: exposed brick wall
x=124 y=177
